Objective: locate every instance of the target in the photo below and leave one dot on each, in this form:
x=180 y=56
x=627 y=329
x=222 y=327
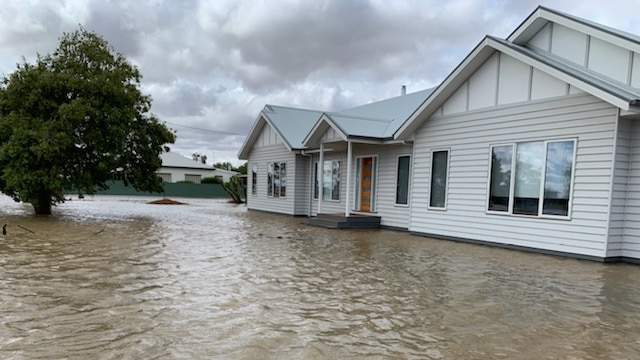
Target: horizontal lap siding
x=469 y=136
x=391 y=215
x=619 y=194
x=631 y=246
x=261 y=157
x=301 y=185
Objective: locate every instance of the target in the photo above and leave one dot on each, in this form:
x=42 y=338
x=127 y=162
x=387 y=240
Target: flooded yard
x=113 y=278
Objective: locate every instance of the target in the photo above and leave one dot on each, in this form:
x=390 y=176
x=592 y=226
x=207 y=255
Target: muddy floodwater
x=115 y=278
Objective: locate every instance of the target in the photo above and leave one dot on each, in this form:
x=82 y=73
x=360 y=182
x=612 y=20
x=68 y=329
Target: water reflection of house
x=532 y=142
x=176 y=168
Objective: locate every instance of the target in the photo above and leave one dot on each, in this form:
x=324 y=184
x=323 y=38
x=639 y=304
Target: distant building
x=176 y=168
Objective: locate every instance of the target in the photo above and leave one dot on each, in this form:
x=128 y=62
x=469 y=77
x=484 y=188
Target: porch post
x=321 y=176
x=349 y=155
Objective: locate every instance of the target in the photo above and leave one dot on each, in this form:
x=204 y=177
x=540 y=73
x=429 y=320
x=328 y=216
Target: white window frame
x=446 y=186
x=514 y=147
x=194 y=178
x=396 y=203
x=329 y=196
x=272 y=176
x=317 y=182
x=254 y=180
x=166 y=177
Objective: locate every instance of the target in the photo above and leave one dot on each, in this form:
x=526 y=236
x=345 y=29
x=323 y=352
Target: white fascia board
x=257 y=126
x=322 y=125
x=539 y=18
x=284 y=139
x=455 y=79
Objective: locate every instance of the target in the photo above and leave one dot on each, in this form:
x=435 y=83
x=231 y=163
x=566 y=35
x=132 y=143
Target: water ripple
x=117 y=278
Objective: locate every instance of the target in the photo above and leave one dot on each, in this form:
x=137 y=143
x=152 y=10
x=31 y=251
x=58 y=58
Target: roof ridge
x=389 y=99
x=293 y=108
x=359 y=117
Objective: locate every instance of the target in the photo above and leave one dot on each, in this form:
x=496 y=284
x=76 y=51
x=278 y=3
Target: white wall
x=392 y=215
x=611 y=60
x=270 y=149
x=503 y=80
x=631 y=246
x=619 y=189
x=469 y=136
x=178 y=174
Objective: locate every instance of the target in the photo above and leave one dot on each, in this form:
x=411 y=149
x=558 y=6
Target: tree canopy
x=73 y=120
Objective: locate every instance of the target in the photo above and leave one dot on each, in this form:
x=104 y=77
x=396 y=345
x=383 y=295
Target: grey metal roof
x=292 y=124
x=380 y=119
x=171 y=159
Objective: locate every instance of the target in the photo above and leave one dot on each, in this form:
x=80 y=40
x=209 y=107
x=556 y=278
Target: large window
x=439 y=174
x=277 y=180
x=532 y=178
x=331 y=180
x=402 y=180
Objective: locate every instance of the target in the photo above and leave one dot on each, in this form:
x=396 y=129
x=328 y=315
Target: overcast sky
x=211 y=65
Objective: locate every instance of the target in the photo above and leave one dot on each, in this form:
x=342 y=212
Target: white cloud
x=214 y=64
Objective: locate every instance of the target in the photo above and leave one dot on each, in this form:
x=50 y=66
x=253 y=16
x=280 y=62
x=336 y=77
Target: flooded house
x=531 y=143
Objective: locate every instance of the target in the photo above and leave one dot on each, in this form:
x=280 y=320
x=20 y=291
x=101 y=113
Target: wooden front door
x=366 y=184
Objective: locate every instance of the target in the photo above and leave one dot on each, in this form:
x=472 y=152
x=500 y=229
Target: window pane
x=335 y=181
x=557 y=180
x=528 y=178
x=270 y=180
x=438 y=178
x=254 y=182
x=326 y=180
x=316 y=181
x=276 y=180
x=402 y=187
x=283 y=179
x=500 y=182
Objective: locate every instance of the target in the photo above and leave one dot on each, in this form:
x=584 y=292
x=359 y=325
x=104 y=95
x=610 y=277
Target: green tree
x=74 y=119
x=242 y=168
x=223 y=165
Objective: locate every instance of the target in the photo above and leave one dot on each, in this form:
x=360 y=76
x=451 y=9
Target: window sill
x=436 y=208
x=548 y=217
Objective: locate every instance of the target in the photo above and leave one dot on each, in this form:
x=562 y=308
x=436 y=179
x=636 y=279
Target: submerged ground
x=111 y=278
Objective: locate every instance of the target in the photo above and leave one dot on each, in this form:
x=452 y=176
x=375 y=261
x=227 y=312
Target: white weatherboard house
x=532 y=143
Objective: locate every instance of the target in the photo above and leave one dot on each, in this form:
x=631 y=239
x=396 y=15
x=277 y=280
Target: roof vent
x=403 y=90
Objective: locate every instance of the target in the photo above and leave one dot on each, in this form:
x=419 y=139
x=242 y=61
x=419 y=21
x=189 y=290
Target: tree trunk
x=43 y=205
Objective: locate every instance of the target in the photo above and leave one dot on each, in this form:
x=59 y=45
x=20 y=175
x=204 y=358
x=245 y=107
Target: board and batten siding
x=631 y=245
x=269 y=148
x=611 y=60
x=469 y=136
x=391 y=215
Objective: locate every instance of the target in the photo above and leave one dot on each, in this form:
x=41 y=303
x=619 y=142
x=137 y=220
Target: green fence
x=170 y=189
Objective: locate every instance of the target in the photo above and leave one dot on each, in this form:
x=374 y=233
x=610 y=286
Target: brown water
x=110 y=279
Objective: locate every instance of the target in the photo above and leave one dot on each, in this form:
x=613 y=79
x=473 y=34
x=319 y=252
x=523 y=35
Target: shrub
x=211 y=180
